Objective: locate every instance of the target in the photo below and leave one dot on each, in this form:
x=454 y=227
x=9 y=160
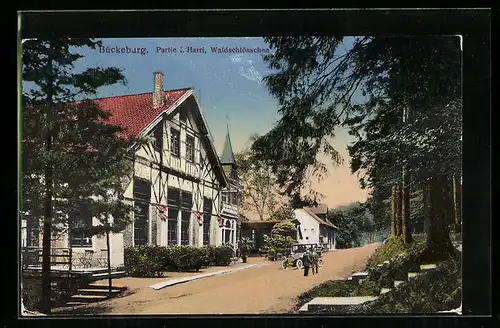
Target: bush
x=392 y=249
x=276 y=244
x=61 y=290
x=151 y=261
x=427 y=293
x=32 y=294
x=433 y=291
x=188 y=258
x=210 y=259
x=146 y=260
x=223 y=255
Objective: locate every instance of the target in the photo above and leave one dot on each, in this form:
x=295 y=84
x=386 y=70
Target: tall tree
x=73 y=162
x=316 y=82
x=260 y=192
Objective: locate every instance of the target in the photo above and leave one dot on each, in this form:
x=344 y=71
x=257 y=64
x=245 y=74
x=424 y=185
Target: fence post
x=70 y=259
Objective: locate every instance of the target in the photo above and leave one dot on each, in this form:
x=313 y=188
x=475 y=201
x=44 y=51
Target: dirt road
x=260 y=290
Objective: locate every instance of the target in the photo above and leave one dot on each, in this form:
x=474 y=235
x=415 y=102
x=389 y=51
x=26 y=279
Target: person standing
x=315 y=261
x=306 y=261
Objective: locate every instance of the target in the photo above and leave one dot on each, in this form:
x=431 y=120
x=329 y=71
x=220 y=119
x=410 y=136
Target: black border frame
x=473 y=24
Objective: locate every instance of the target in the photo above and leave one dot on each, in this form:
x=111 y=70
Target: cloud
x=246 y=67
x=250 y=73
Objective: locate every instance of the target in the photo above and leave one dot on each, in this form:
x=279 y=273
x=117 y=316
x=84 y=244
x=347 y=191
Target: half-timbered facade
x=175 y=187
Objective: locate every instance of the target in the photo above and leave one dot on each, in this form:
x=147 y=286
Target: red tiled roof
x=135 y=112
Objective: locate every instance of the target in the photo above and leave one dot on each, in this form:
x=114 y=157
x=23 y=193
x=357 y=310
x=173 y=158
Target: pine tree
x=73 y=162
x=315 y=83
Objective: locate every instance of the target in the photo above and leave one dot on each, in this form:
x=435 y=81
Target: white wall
x=309 y=227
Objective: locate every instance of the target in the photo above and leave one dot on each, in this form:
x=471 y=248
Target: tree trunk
x=393 y=211
x=398 y=210
x=426 y=199
x=405 y=208
x=47 y=236
x=438 y=237
x=48 y=177
x=110 y=282
x=457 y=209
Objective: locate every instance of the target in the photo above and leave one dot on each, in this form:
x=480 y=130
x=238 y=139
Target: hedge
x=187 y=258
x=152 y=261
x=146 y=260
x=223 y=255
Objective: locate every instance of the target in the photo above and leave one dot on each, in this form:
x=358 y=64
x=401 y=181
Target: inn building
x=181 y=192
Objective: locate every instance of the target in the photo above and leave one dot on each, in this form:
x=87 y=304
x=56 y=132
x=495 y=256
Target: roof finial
x=227 y=124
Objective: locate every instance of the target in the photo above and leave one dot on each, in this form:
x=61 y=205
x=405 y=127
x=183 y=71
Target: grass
x=392 y=249
x=433 y=291
x=427 y=293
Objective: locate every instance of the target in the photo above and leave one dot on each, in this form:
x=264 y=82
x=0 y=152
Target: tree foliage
x=283 y=213
x=260 y=192
x=353 y=221
x=283 y=235
x=321 y=86
x=73 y=162
x=88 y=157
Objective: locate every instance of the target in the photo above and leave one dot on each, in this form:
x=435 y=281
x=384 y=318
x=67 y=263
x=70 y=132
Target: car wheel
x=299 y=264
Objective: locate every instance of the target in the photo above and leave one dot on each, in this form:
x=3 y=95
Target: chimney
x=157 y=94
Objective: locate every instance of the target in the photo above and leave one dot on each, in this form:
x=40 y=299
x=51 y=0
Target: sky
x=228 y=85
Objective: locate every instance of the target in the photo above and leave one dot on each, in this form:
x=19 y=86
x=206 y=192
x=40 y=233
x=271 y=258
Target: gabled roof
x=315 y=217
x=319 y=209
x=227 y=156
x=136 y=114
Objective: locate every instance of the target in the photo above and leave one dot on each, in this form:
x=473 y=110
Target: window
x=225 y=197
x=79 y=235
x=227 y=233
x=178 y=201
x=172 y=226
x=158 y=138
x=175 y=139
x=142 y=198
x=207 y=215
x=233 y=174
x=190 y=148
x=187 y=204
x=235 y=200
x=174 y=197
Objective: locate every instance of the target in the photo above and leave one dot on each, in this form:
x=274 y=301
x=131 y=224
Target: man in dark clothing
x=315 y=261
x=306 y=261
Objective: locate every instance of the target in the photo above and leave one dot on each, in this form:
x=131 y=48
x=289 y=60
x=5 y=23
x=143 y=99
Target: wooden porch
x=66 y=262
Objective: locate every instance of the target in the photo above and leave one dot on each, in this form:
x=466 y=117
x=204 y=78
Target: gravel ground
x=260 y=290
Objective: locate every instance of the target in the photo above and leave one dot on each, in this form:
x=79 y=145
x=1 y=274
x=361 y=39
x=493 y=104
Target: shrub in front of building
x=146 y=260
x=152 y=261
x=223 y=255
x=187 y=258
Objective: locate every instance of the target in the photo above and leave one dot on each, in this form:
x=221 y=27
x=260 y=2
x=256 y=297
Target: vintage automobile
x=296 y=253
